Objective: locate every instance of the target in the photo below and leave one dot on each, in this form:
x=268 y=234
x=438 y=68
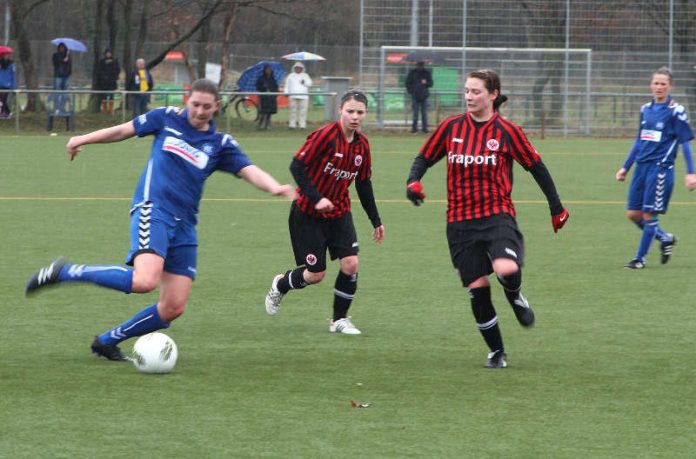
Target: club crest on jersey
x=311 y=259
x=186 y=152
x=660 y=126
x=358 y=160
x=492 y=145
x=207 y=148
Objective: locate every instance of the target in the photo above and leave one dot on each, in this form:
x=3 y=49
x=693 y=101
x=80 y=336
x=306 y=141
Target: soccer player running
x=664 y=125
x=332 y=157
x=186 y=150
x=482 y=233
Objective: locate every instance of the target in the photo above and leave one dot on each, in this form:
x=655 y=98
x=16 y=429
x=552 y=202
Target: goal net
x=548 y=89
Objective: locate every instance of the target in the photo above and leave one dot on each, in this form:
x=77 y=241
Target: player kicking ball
x=186 y=150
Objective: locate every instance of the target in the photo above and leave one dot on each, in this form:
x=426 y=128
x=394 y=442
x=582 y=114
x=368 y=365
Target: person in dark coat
x=108 y=70
x=417 y=83
x=269 y=104
x=62 y=67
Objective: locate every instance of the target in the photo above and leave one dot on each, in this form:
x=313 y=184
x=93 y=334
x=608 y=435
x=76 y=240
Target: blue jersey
x=663 y=127
x=181 y=159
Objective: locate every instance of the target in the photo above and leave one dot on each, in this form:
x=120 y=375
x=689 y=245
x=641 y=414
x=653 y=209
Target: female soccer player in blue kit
x=185 y=152
x=664 y=125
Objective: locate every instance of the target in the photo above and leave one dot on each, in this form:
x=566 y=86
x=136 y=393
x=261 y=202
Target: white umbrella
x=70 y=43
x=303 y=56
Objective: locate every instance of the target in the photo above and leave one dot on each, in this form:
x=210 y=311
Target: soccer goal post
x=548 y=88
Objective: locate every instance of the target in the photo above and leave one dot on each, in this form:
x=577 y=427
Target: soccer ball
x=155 y=353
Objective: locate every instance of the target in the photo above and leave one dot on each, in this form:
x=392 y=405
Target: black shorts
x=474 y=243
x=311 y=237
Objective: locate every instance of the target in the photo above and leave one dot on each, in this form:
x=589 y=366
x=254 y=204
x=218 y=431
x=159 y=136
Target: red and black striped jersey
x=332 y=165
x=479 y=163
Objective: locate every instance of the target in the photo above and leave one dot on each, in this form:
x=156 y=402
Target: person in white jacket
x=297 y=87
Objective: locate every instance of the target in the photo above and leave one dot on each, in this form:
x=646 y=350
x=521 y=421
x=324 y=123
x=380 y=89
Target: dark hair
x=354 y=94
x=664 y=70
x=205 y=85
x=491 y=81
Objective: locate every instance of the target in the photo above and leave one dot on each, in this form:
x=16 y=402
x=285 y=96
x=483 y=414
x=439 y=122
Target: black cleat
x=497 y=359
x=635 y=264
x=110 y=351
x=45 y=276
x=523 y=311
x=666 y=248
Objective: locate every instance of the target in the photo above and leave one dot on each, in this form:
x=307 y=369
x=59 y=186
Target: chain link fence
x=626 y=40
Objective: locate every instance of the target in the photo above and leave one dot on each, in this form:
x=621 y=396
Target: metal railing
x=72 y=102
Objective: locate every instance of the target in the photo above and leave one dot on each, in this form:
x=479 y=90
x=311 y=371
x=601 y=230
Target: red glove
x=558 y=220
x=414 y=192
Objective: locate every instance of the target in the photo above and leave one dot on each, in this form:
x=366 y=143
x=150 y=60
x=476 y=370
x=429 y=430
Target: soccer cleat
x=344 y=326
x=523 y=311
x=635 y=264
x=45 y=276
x=497 y=359
x=110 y=351
x=274 y=297
x=666 y=248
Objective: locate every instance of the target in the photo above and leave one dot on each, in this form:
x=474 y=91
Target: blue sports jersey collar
x=664 y=104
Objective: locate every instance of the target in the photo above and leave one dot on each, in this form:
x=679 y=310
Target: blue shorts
x=154 y=230
x=651 y=188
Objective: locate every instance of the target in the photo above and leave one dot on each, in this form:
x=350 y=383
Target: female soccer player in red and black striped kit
x=482 y=233
x=332 y=157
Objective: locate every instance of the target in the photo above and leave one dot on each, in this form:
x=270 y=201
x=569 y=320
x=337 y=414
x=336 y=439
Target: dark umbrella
x=247 y=81
x=422 y=55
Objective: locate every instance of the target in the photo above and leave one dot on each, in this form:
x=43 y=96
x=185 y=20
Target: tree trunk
x=112 y=25
x=225 y=51
x=127 y=61
x=202 y=49
x=94 y=99
x=31 y=80
x=142 y=31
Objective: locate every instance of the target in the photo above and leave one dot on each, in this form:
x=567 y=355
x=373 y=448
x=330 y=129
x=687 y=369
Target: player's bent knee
x=505 y=267
x=169 y=312
x=314 y=278
x=144 y=284
x=349 y=265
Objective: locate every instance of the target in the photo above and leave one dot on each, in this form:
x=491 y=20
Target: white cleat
x=274 y=297
x=344 y=326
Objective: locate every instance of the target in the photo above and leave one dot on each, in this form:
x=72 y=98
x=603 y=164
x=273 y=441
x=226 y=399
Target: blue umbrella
x=247 y=81
x=71 y=44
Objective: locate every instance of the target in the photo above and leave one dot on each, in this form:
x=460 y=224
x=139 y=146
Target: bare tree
x=20 y=10
x=96 y=54
x=549 y=17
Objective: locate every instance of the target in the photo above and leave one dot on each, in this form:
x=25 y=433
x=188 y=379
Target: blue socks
x=144 y=322
x=649 y=232
x=115 y=277
x=660 y=234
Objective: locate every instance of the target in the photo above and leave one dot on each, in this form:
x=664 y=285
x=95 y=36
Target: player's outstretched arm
x=265 y=182
x=107 y=135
